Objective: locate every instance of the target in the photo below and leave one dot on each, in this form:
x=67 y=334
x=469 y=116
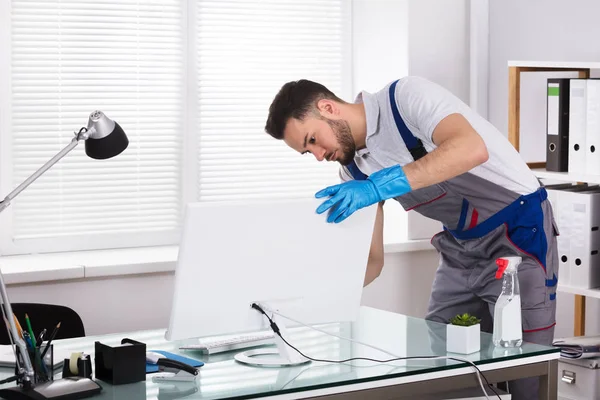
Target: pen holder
x=43 y=368
x=82 y=366
x=121 y=364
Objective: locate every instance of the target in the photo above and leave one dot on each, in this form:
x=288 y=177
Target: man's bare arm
x=375 y=263
x=460 y=149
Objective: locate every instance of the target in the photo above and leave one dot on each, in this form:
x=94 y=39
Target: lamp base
x=74 y=387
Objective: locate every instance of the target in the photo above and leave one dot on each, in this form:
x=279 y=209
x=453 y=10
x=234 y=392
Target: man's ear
x=328 y=108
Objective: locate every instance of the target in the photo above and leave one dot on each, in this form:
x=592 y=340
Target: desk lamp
x=104 y=139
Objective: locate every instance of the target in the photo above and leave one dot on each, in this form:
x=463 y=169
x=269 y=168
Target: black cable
x=82 y=130
x=275 y=329
x=7 y=380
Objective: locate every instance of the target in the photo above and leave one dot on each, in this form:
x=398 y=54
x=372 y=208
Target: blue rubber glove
x=350 y=196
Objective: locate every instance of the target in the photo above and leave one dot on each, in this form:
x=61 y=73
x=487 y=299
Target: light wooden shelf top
x=556 y=64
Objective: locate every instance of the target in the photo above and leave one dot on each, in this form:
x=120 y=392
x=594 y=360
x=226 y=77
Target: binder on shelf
x=553 y=192
x=562 y=206
x=557 y=124
x=577 y=125
x=592 y=128
x=584 y=240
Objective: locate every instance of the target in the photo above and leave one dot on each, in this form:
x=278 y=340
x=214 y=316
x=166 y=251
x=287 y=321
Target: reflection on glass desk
x=223 y=378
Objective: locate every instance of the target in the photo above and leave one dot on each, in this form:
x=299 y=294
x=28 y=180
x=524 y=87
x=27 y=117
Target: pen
x=27 y=339
x=28 y=322
x=18 y=324
x=41 y=337
x=52 y=336
x=10 y=332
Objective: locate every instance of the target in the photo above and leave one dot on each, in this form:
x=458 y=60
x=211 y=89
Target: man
x=416 y=142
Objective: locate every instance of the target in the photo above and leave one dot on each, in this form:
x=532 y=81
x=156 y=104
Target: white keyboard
x=220 y=345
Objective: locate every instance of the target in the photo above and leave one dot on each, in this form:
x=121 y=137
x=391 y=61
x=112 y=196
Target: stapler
x=173 y=370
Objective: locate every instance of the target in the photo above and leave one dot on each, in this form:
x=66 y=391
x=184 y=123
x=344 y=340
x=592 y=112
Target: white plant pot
x=463 y=339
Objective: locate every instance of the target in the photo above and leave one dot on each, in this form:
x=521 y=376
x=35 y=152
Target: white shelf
x=555 y=64
x=566 y=176
x=595 y=293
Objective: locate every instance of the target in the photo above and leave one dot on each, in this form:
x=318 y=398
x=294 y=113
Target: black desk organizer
x=41 y=374
x=122 y=364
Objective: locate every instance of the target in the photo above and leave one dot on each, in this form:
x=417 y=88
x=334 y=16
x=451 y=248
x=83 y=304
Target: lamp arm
x=28 y=372
x=6 y=202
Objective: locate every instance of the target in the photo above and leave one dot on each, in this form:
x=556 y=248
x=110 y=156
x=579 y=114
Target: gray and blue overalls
x=484 y=221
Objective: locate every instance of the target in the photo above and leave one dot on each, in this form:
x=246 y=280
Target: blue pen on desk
x=27 y=339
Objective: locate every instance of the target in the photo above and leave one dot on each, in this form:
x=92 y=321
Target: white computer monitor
x=277 y=253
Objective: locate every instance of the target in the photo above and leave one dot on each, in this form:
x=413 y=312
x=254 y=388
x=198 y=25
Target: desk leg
x=549 y=382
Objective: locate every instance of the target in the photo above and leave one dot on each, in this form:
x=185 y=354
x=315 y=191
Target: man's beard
x=342 y=132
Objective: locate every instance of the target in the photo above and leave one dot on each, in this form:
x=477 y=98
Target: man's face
x=327 y=139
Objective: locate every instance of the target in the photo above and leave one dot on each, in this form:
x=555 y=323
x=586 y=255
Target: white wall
x=393 y=38
x=439 y=43
x=540 y=30
x=438 y=37
x=108 y=305
x=380 y=43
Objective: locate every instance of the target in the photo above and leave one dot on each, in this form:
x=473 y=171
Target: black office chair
x=47 y=316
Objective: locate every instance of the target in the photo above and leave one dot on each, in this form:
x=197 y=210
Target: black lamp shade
x=109 y=146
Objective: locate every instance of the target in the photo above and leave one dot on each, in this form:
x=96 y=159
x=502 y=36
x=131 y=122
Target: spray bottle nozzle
x=502 y=264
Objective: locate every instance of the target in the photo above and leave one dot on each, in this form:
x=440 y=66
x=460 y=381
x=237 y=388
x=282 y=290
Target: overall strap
x=414 y=145
x=356 y=173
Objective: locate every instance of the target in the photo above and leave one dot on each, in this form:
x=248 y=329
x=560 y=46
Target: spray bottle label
x=510 y=314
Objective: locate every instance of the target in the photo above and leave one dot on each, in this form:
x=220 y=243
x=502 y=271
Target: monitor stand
x=282 y=356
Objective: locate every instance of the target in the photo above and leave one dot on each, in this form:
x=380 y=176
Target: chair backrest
x=47 y=316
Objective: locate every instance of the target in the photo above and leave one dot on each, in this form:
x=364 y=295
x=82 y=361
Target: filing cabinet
x=579 y=379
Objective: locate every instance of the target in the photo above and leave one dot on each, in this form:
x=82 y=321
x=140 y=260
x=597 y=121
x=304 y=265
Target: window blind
x=69 y=58
x=190 y=82
x=245 y=51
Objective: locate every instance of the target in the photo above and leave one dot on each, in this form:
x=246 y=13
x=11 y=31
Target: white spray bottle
x=507 y=312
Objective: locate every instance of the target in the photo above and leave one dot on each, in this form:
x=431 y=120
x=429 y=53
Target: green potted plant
x=462 y=334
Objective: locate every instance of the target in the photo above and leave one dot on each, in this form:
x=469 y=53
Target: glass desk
x=223 y=378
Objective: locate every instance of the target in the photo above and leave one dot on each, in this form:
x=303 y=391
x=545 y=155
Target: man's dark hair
x=295 y=100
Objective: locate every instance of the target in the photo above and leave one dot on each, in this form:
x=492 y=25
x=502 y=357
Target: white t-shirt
x=422 y=105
